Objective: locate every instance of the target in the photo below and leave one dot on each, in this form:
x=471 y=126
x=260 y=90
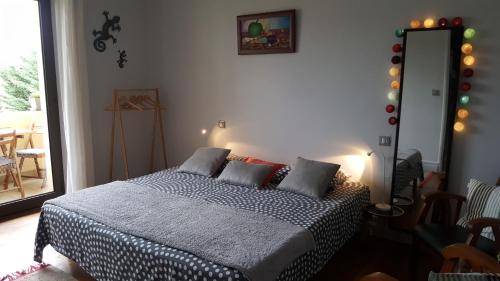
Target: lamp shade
x=457 y=21
x=428 y=23
x=396 y=48
x=468 y=72
x=394 y=71
x=469 y=33
x=415 y=24
x=469 y=60
x=466 y=86
x=443 y=22
x=392 y=96
x=399 y=32
x=467 y=48
x=396 y=59
x=464 y=100
x=462 y=113
x=459 y=126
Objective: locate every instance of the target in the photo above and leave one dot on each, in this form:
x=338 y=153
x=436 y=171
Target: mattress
x=107 y=254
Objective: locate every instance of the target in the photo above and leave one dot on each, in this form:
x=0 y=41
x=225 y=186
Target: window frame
x=52 y=103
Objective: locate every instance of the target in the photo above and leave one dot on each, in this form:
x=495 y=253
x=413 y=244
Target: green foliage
x=19 y=82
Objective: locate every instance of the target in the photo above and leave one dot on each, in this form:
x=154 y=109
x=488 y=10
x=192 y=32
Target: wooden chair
x=378 y=276
x=442 y=230
x=476 y=260
x=30 y=152
x=8 y=162
x=455 y=256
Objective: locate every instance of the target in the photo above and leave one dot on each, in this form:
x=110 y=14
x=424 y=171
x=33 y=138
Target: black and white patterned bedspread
x=107 y=254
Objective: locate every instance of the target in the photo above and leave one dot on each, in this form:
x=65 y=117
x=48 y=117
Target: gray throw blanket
x=258 y=245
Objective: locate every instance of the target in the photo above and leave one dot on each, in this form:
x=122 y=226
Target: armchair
x=453 y=255
x=378 y=276
x=441 y=230
x=475 y=259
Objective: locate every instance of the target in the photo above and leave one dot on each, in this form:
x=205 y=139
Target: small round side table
x=395 y=211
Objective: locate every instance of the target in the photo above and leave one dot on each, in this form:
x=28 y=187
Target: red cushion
x=276 y=167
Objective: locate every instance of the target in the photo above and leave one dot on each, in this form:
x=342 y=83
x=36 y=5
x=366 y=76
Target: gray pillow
x=246 y=174
x=205 y=161
x=308 y=177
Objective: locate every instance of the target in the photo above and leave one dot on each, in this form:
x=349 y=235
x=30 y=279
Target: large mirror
x=427 y=103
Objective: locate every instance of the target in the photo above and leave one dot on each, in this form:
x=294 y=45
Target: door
x=28 y=107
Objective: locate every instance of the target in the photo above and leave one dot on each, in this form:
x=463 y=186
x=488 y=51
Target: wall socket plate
x=384 y=140
x=221 y=124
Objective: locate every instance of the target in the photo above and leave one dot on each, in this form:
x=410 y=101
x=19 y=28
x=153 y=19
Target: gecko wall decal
x=122 y=59
x=104 y=34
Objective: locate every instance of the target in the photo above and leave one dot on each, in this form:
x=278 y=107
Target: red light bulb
x=390 y=108
x=396 y=59
x=466 y=86
x=468 y=72
x=393 y=120
x=396 y=48
x=442 y=22
x=457 y=21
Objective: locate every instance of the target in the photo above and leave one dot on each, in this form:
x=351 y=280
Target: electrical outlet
x=221 y=124
x=384 y=140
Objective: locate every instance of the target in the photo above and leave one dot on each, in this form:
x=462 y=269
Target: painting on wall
x=266 y=33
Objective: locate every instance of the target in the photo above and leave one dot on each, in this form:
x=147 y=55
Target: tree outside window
x=19 y=83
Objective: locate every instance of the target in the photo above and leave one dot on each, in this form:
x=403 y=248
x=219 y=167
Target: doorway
x=31 y=164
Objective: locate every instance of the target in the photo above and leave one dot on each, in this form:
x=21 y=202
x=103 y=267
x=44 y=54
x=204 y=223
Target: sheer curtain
x=73 y=93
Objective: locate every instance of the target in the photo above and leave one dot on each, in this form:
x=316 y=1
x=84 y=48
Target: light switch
x=384 y=140
x=221 y=124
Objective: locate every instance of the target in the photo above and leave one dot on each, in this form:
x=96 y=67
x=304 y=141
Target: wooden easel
x=135 y=100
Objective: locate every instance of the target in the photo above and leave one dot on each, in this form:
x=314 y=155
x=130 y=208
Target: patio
x=22 y=122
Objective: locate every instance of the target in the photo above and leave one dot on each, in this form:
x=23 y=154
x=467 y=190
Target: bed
x=108 y=254
x=409 y=169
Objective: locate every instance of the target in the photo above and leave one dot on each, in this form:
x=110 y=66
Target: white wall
x=105 y=75
x=324 y=102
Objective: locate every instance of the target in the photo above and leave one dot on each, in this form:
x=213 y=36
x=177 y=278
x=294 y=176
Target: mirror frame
x=456 y=41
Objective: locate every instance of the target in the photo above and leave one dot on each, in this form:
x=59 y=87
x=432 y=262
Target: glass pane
x=22 y=102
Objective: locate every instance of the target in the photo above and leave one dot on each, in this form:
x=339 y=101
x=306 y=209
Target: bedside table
x=381 y=223
x=393 y=213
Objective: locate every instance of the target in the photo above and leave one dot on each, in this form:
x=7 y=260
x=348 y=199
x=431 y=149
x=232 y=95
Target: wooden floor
x=362 y=255
x=17 y=239
x=32 y=187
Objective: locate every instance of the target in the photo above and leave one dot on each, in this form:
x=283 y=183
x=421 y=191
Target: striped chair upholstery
x=483 y=201
x=6 y=163
x=463 y=276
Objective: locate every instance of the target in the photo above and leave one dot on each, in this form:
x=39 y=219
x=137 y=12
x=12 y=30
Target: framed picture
x=266 y=33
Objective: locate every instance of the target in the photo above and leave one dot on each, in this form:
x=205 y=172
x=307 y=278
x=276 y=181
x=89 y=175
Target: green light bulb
x=464 y=100
x=392 y=96
x=399 y=32
x=469 y=33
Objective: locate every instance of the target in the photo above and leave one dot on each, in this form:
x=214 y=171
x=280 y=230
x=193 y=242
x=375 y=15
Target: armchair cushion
x=438 y=236
x=483 y=200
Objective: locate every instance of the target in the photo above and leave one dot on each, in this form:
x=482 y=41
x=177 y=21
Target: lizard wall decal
x=122 y=59
x=103 y=35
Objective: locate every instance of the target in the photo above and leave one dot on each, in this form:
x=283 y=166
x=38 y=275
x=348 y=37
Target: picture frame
x=266 y=33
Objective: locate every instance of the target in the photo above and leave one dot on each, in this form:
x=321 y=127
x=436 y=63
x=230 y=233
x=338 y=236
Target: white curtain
x=73 y=93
